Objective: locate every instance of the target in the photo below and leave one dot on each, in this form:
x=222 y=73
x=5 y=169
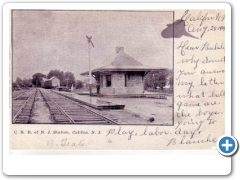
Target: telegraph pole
x=89 y=39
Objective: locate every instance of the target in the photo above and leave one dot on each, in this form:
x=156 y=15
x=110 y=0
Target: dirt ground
x=143 y=109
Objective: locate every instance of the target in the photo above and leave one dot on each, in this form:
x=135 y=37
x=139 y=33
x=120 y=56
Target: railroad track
x=22 y=107
x=67 y=111
x=62 y=109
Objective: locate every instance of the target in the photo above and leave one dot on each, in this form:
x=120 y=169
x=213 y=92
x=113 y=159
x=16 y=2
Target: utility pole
x=89 y=39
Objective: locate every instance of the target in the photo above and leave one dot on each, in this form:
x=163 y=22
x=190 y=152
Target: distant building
x=123 y=76
x=55 y=81
x=50 y=83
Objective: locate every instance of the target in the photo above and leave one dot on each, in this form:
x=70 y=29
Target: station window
x=108 y=80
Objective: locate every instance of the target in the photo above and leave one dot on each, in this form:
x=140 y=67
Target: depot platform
x=91 y=101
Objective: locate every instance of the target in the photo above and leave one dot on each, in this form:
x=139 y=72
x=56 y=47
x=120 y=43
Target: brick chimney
x=119 y=49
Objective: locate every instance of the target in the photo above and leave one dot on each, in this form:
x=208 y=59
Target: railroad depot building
x=52 y=82
x=125 y=75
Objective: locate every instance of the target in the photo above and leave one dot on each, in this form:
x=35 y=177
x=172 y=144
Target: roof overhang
x=102 y=70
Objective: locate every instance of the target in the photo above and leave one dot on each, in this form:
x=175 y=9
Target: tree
x=157 y=79
x=22 y=83
x=14 y=85
x=37 y=78
x=78 y=84
x=19 y=82
x=69 y=79
x=162 y=80
x=27 y=82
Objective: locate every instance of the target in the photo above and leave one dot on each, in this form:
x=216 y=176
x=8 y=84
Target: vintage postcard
x=100 y=78
x=117 y=79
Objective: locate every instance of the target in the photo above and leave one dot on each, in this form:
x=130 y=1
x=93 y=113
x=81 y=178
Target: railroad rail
x=67 y=111
x=22 y=107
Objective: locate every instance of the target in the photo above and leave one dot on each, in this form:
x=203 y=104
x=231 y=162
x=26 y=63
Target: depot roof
x=123 y=62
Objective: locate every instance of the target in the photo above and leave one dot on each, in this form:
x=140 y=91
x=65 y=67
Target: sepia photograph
x=92 y=67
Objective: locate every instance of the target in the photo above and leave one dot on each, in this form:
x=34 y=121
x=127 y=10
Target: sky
x=48 y=40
